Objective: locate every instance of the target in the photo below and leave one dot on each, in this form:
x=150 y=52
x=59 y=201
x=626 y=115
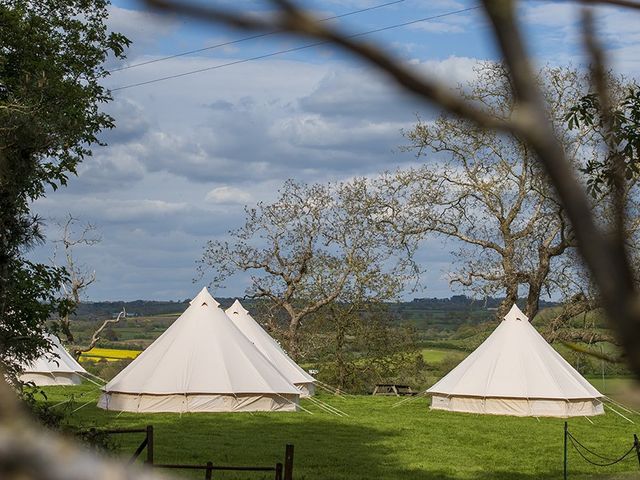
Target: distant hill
x=92 y=311
x=457 y=302
x=439 y=312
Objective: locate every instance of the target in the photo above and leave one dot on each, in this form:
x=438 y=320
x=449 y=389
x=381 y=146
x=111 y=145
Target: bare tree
x=483 y=189
x=96 y=336
x=603 y=249
x=80 y=277
x=309 y=248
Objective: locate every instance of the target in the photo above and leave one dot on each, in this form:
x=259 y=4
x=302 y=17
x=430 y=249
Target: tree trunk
x=292 y=338
x=536 y=283
x=533 y=300
x=510 y=298
x=340 y=363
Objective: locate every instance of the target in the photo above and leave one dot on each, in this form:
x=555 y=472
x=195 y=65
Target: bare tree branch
x=96 y=335
x=79 y=276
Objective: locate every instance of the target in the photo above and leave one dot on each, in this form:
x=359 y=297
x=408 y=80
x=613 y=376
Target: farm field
x=109 y=354
x=374 y=441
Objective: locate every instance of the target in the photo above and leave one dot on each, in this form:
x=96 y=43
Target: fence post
x=209 y=473
x=636 y=444
x=149 y=460
x=288 y=462
x=278 y=471
x=566 y=433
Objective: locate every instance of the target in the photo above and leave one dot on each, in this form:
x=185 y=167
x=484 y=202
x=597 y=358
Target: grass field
x=436 y=355
x=109 y=354
x=374 y=442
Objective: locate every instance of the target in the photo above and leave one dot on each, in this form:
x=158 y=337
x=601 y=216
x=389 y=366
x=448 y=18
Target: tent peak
x=237 y=308
x=516 y=314
x=204 y=298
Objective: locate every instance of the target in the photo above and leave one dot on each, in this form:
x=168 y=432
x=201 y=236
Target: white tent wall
x=306 y=389
x=518 y=407
x=47 y=379
x=56 y=367
x=201 y=363
x=271 y=349
x=198 y=403
x=516 y=372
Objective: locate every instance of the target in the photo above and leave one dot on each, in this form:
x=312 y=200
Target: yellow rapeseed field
x=109 y=354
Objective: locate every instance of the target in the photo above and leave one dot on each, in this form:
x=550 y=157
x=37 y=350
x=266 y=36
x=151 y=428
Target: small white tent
x=56 y=367
x=516 y=372
x=270 y=349
x=201 y=363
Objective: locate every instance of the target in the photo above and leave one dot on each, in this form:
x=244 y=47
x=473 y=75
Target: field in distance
x=109 y=354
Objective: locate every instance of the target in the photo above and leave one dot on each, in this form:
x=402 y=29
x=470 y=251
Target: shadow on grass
x=375 y=442
x=324 y=448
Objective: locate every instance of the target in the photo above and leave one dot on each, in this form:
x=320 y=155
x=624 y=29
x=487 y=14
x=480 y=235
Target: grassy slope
x=436 y=355
x=375 y=441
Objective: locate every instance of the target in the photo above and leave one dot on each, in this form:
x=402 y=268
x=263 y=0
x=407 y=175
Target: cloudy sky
x=189 y=152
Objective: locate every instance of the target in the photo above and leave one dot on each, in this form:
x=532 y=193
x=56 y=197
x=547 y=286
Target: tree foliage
x=315 y=245
x=360 y=345
x=623 y=135
x=52 y=55
x=30 y=299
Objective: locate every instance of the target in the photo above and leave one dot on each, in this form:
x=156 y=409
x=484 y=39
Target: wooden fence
x=281 y=471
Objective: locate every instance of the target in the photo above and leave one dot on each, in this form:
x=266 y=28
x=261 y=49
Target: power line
x=294 y=49
x=252 y=37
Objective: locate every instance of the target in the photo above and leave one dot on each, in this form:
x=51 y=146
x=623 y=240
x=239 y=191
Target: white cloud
x=453 y=70
x=229 y=137
x=559 y=35
x=548 y=14
x=226 y=195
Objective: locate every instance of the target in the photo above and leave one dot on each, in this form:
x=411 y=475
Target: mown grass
x=375 y=441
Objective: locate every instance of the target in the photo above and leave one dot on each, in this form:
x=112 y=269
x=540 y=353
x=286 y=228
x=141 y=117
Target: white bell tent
x=201 y=363
x=56 y=367
x=516 y=372
x=270 y=349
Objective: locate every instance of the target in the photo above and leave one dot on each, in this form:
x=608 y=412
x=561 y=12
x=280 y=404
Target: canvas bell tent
x=56 y=367
x=270 y=349
x=516 y=372
x=201 y=363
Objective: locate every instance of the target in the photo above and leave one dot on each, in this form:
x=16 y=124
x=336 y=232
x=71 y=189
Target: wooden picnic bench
x=393 y=389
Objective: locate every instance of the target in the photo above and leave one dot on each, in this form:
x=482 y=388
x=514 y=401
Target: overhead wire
x=251 y=37
x=290 y=50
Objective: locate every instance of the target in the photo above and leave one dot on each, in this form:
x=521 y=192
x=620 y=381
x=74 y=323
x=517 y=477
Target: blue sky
x=188 y=153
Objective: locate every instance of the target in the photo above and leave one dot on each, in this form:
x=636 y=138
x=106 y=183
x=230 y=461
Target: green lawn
x=436 y=355
x=374 y=442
